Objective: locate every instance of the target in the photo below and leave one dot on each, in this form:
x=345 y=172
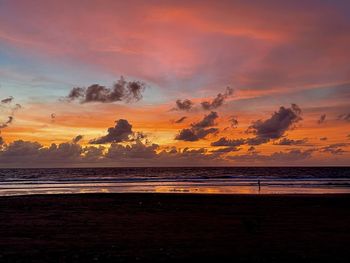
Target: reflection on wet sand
x=168 y=187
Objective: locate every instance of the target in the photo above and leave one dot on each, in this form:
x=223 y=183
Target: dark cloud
x=120 y=133
x=323 y=139
x=226 y=150
x=93 y=154
x=122 y=90
x=76 y=93
x=251 y=149
x=270 y=129
x=184 y=105
x=137 y=150
x=181 y=120
x=322 y=119
x=234 y=122
x=227 y=142
x=208 y=121
x=289 y=142
x=344 y=117
x=192 y=134
x=200 y=129
x=63 y=151
x=19 y=150
x=7 y=100
x=202 y=133
x=2 y=142
x=292 y=155
x=188 y=135
x=336 y=148
x=33 y=153
x=276 y=126
x=218 y=100
x=77 y=138
x=136 y=153
x=257 y=140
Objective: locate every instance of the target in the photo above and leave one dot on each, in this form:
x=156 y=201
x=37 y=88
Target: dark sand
x=165 y=227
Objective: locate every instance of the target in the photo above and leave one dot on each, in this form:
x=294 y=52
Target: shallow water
x=233 y=180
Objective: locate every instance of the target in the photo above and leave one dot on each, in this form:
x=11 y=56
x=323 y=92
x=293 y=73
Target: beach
x=174 y=227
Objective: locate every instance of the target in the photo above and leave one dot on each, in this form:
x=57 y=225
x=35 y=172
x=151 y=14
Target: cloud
x=120 y=133
x=2 y=142
x=93 y=154
x=218 y=100
x=53 y=117
x=181 y=120
x=188 y=135
x=33 y=153
x=200 y=129
x=322 y=119
x=226 y=150
x=234 y=122
x=208 y=121
x=289 y=142
x=6 y=123
x=336 y=148
x=77 y=138
x=192 y=135
x=323 y=139
x=137 y=153
x=122 y=90
x=344 y=117
x=62 y=152
x=20 y=150
x=270 y=129
x=288 y=157
x=227 y=142
x=15 y=108
x=137 y=150
x=292 y=155
x=184 y=105
x=251 y=149
x=189 y=157
x=11 y=110
x=276 y=126
x=7 y=100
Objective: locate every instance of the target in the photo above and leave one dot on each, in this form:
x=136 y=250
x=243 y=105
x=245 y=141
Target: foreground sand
x=165 y=227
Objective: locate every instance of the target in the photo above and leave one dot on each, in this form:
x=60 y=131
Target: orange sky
x=272 y=54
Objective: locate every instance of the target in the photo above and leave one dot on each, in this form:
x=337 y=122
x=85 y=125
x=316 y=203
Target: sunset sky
x=172 y=83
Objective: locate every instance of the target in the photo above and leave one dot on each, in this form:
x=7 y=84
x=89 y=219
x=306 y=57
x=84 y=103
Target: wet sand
x=175 y=227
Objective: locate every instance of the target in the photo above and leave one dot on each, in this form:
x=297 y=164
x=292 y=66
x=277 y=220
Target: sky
x=174 y=83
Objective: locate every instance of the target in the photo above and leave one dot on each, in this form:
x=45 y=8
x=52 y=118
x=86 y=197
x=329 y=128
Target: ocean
x=216 y=180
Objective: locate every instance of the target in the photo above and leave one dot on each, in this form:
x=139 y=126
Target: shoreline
x=177 y=193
